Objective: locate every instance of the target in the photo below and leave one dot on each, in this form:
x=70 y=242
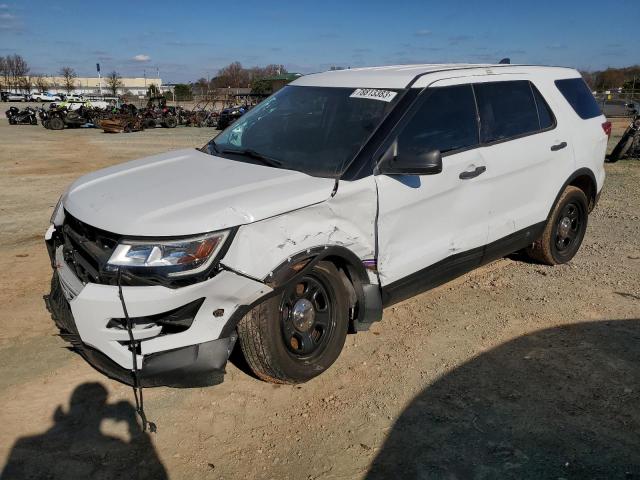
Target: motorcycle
x=44 y=117
x=629 y=144
x=26 y=116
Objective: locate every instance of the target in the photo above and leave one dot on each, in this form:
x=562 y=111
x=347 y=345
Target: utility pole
x=99 y=79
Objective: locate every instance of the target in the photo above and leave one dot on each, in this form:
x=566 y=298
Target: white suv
x=341 y=194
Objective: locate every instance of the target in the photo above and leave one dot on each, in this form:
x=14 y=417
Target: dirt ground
x=516 y=370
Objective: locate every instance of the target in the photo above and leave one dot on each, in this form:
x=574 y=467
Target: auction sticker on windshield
x=374 y=94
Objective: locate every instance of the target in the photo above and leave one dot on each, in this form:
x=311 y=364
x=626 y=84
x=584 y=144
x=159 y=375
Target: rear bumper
x=88 y=316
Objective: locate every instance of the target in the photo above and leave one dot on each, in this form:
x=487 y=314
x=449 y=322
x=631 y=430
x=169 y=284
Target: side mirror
x=427 y=163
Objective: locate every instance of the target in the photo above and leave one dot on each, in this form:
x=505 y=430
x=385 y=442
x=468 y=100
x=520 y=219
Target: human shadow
x=74 y=447
x=558 y=403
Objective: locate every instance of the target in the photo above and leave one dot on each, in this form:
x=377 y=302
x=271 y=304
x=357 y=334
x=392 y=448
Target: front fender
x=345 y=220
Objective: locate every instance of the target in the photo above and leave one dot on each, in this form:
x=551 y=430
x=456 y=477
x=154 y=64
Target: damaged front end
x=175 y=327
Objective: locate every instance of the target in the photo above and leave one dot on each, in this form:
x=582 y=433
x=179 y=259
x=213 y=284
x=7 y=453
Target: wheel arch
x=367 y=297
x=585 y=180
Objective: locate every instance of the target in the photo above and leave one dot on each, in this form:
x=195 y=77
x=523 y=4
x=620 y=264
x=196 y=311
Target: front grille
x=87 y=249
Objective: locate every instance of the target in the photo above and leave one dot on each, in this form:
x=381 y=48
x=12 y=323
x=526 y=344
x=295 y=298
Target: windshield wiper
x=247 y=152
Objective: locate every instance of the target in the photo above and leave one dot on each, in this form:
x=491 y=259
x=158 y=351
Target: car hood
x=188 y=192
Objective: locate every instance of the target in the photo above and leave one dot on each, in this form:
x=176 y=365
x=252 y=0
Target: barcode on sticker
x=374 y=94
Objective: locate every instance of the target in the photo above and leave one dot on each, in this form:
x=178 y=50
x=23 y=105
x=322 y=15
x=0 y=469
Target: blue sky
x=188 y=40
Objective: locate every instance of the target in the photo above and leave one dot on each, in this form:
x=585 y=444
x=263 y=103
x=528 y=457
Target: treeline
x=235 y=75
x=14 y=73
x=613 y=78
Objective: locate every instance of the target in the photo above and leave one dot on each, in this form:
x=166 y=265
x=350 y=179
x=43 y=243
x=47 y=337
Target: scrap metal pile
x=117 y=118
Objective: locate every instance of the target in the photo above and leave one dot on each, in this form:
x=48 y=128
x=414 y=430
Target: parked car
x=342 y=193
x=230 y=115
x=45 y=97
x=13 y=97
x=72 y=97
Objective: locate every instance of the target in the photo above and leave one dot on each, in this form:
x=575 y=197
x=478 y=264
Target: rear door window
x=545 y=114
x=577 y=93
x=446 y=121
x=507 y=110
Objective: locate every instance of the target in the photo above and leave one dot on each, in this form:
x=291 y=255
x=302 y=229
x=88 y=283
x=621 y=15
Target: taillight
x=606 y=126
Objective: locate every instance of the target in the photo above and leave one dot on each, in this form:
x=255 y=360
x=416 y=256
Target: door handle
x=467 y=174
x=559 y=146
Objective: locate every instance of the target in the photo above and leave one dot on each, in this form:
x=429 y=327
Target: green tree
x=261 y=86
x=182 y=92
x=153 y=90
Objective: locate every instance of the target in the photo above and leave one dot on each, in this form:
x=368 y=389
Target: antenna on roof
x=505 y=61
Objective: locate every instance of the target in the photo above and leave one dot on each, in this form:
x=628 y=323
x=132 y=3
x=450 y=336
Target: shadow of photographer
x=558 y=403
x=74 y=447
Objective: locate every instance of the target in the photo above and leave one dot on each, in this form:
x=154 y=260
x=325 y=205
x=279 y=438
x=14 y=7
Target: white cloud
x=141 y=58
x=423 y=33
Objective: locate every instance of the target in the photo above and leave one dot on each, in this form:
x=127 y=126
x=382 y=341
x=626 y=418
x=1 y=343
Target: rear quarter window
x=577 y=93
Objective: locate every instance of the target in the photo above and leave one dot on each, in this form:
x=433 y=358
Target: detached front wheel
x=297 y=335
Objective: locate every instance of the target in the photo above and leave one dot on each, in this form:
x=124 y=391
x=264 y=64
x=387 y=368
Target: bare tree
x=25 y=82
x=4 y=74
x=233 y=75
x=114 y=81
x=40 y=82
x=17 y=68
x=69 y=76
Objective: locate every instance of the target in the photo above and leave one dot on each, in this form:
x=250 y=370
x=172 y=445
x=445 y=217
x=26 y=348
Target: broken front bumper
x=91 y=318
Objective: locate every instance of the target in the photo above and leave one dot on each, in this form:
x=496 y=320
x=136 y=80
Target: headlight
x=174 y=257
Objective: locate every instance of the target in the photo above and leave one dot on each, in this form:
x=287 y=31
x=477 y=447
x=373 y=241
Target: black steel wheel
x=568 y=227
x=565 y=229
x=306 y=317
x=296 y=335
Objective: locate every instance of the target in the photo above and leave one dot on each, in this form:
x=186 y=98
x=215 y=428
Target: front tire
x=170 y=122
x=56 y=123
x=565 y=229
x=296 y=335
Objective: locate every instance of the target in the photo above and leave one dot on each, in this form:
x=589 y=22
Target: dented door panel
x=425 y=219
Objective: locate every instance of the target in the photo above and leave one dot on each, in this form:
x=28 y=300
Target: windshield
x=315 y=130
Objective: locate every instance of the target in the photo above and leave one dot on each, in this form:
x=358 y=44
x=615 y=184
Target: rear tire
x=296 y=335
x=170 y=122
x=564 y=231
